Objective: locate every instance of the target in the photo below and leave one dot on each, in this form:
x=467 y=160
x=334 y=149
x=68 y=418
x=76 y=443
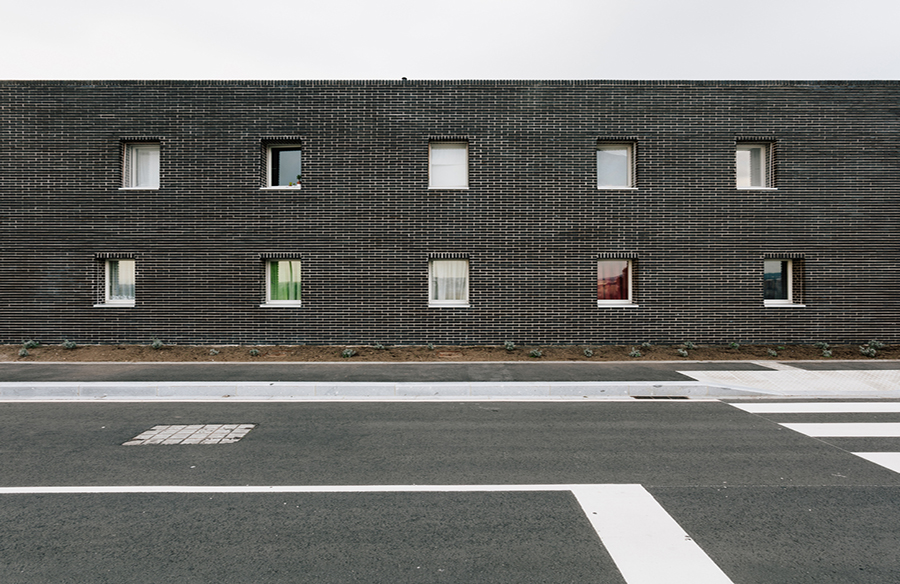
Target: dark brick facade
x=532 y=223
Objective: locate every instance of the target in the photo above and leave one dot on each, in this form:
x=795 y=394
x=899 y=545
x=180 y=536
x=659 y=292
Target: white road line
x=837 y=430
x=820 y=407
x=889 y=460
x=646 y=543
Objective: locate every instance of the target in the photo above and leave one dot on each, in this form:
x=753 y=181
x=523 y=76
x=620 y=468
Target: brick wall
x=532 y=222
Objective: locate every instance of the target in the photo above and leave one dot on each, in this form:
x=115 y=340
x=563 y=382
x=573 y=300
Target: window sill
x=756 y=188
x=115 y=305
x=294 y=188
x=448 y=188
x=783 y=305
x=617 y=188
x=448 y=305
x=616 y=305
x=282 y=305
x=138 y=188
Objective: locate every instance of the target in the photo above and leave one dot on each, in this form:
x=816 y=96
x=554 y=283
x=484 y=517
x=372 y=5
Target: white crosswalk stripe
x=889 y=460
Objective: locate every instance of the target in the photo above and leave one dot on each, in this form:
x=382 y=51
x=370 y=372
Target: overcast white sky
x=444 y=39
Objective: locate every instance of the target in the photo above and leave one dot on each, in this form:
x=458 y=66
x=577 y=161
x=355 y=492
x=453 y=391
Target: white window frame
x=269 y=178
x=629 y=162
x=461 y=176
x=108 y=299
x=131 y=165
x=269 y=301
x=629 y=302
x=455 y=303
x=789 y=300
x=742 y=150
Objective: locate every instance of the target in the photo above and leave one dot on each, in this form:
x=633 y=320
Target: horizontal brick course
x=532 y=222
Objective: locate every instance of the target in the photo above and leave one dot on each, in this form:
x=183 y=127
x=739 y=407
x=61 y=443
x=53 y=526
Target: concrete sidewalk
x=546 y=380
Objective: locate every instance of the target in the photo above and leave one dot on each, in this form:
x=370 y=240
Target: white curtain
x=612 y=167
x=449 y=165
x=143 y=166
x=450 y=280
x=121 y=280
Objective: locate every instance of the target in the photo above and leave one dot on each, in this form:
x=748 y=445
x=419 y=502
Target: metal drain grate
x=192 y=434
x=659 y=397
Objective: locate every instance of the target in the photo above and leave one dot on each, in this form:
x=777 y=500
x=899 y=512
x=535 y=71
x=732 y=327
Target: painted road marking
x=820 y=407
x=849 y=430
x=889 y=460
x=192 y=434
x=645 y=542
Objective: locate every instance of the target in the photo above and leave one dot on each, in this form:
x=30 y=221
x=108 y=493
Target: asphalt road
x=764 y=503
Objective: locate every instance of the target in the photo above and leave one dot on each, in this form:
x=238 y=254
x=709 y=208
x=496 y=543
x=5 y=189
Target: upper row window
x=284 y=166
x=141 y=166
x=615 y=166
x=754 y=166
x=448 y=165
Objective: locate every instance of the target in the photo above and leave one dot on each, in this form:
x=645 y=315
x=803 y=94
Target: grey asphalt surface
x=767 y=504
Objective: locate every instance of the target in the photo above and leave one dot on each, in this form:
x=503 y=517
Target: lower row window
x=119 y=287
x=783 y=282
x=448 y=282
x=283 y=282
x=614 y=282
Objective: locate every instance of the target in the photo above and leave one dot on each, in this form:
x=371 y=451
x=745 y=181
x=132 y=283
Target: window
x=448 y=283
x=119 y=279
x=283 y=282
x=783 y=282
x=141 y=166
x=615 y=163
x=614 y=282
x=754 y=162
x=448 y=166
x=284 y=166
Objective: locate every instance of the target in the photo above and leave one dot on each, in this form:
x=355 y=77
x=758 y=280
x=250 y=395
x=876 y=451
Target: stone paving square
x=191 y=434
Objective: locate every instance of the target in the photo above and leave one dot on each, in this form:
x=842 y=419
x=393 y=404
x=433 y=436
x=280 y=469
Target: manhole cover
x=192 y=434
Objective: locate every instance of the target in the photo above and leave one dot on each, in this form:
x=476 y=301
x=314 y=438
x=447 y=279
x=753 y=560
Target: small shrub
x=821 y=345
x=779 y=348
x=536 y=353
x=213 y=352
x=689 y=345
x=867 y=351
x=634 y=353
x=733 y=345
x=31 y=344
x=378 y=347
x=682 y=353
x=347 y=353
x=509 y=346
x=23 y=352
x=254 y=352
x=826 y=353
x=877 y=345
x=772 y=353
x=156 y=344
x=588 y=353
x=68 y=345
x=646 y=345
x=430 y=346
